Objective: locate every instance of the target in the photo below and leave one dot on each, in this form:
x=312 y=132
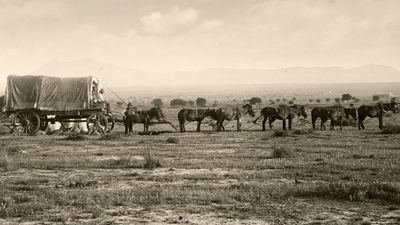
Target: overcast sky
x=176 y=35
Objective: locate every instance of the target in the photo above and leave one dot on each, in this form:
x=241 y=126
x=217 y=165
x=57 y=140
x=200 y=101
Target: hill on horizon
x=116 y=76
x=215 y=80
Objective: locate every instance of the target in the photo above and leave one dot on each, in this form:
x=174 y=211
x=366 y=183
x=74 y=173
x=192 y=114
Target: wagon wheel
x=110 y=123
x=26 y=122
x=97 y=122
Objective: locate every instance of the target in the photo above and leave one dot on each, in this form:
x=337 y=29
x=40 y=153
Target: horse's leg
x=332 y=124
x=263 y=122
x=181 y=119
x=284 y=124
x=290 y=119
x=380 y=121
x=361 y=118
x=271 y=120
x=219 y=125
x=198 y=125
x=323 y=123
x=239 y=123
x=341 y=123
x=313 y=119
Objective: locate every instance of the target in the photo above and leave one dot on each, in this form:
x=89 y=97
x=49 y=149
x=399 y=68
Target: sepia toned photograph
x=199 y=112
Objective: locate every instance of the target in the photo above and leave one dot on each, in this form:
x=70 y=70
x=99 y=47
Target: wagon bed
x=34 y=101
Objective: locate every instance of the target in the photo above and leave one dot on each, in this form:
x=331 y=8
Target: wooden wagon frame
x=30 y=109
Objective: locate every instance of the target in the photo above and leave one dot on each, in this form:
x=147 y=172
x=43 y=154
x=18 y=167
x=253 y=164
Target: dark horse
x=192 y=115
x=377 y=110
x=328 y=113
x=232 y=114
x=350 y=112
x=146 y=116
x=282 y=113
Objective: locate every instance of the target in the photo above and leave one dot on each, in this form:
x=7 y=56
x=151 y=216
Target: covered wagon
x=34 y=100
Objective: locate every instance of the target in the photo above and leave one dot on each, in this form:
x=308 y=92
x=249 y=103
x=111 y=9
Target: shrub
x=151 y=160
x=191 y=103
x=76 y=137
x=201 y=101
x=111 y=137
x=178 y=102
x=255 y=100
x=300 y=132
x=280 y=152
x=281 y=133
x=391 y=129
x=173 y=140
x=157 y=102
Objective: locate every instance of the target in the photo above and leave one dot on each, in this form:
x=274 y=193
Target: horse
x=328 y=113
x=232 y=114
x=350 y=112
x=146 y=116
x=192 y=115
x=377 y=110
x=282 y=113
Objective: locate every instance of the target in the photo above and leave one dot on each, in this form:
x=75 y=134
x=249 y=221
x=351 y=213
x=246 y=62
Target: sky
x=181 y=35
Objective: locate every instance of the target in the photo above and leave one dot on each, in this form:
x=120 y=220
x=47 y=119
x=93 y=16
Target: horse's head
x=249 y=109
x=350 y=112
x=211 y=113
x=303 y=111
x=298 y=110
x=157 y=113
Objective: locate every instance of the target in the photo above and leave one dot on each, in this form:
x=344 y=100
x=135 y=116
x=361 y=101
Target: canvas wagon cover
x=48 y=93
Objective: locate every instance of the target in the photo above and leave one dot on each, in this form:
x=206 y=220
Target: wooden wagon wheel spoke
x=26 y=122
x=97 y=122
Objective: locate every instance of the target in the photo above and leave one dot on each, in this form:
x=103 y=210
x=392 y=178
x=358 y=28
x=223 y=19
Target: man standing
x=128 y=114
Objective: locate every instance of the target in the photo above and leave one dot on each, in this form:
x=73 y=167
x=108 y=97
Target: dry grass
x=236 y=175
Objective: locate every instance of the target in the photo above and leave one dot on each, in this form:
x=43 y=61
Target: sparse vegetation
x=391 y=128
x=201 y=101
x=238 y=175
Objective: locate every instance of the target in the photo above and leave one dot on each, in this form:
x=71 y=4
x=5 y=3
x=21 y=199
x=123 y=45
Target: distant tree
x=201 y=101
x=291 y=102
x=215 y=103
x=191 y=103
x=178 y=102
x=353 y=98
x=351 y=104
x=278 y=100
x=356 y=100
x=157 y=102
x=284 y=99
x=346 y=97
x=338 y=100
x=234 y=100
x=255 y=100
x=294 y=98
x=120 y=104
x=318 y=100
x=375 y=98
x=272 y=102
x=311 y=100
x=328 y=99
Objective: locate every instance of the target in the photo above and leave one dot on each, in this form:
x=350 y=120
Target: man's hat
x=129 y=104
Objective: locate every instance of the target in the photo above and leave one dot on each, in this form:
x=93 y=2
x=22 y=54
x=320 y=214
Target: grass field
x=249 y=177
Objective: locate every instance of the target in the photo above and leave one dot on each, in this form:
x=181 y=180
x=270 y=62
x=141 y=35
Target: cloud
x=15 y=11
x=176 y=21
x=208 y=25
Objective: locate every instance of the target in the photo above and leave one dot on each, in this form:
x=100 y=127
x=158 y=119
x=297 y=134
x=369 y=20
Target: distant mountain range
x=219 y=80
x=118 y=76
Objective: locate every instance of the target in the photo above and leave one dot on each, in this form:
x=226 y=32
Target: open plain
x=250 y=177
